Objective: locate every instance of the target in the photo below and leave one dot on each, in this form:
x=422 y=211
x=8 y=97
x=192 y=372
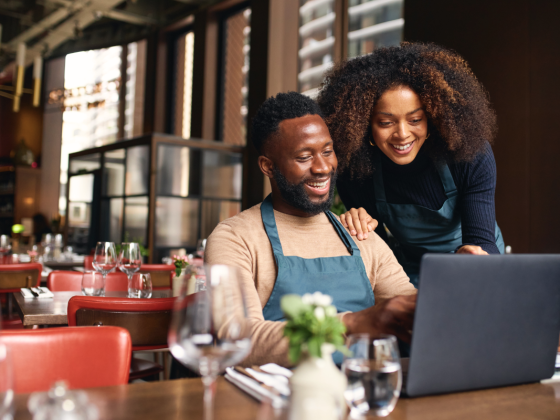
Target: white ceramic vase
x=318 y=389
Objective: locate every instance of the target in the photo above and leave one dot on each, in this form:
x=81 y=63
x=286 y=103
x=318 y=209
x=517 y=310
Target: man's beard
x=296 y=196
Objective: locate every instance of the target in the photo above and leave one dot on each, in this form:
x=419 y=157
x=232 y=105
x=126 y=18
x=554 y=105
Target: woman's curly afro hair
x=460 y=118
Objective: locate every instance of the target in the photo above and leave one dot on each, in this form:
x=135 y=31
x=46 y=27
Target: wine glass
x=92 y=283
x=140 y=286
x=374 y=375
x=209 y=330
x=6 y=383
x=130 y=261
x=105 y=259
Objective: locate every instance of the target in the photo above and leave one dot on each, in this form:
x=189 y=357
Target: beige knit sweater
x=242 y=241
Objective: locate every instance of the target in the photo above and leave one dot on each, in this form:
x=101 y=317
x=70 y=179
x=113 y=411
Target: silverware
x=33 y=292
x=39 y=290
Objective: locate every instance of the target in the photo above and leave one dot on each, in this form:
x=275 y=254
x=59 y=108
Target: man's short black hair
x=276 y=109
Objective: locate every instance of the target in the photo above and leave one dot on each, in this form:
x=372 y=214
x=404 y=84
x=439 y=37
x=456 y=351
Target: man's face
x=304 y=164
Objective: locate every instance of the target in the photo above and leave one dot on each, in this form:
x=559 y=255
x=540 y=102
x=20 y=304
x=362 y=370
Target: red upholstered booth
x=70 y=281
x=82 y=356
x=88 y=262
x=147 y=321
x=12 y=278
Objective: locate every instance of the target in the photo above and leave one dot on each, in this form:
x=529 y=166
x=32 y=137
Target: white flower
x=321 y=299
x=319 y=313
x=307 y=299
x=330 y=310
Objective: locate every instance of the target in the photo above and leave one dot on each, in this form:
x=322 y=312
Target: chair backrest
x=70 y=281
x=88 y=262
x=161 y=274
x=82 y=356
x=147 y=320
x=15 y=276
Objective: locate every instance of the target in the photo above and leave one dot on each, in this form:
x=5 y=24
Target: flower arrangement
x=312 y=321
x=180 y=263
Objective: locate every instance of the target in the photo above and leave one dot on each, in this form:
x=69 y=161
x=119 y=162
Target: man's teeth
x=404 y=147
x=318 y=184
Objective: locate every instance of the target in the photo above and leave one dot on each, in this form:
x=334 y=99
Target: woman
x=411 y=127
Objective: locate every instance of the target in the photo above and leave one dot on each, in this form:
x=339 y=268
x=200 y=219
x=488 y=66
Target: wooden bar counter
x=182 y=399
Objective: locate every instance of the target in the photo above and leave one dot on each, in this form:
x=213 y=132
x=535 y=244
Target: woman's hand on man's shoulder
x=358 y=222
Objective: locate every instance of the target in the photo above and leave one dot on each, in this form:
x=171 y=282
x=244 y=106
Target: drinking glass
x=6 y=383
x=200 y=247
x=5 y=246
x=140 y=286
x=209 y=330
x=374 y=374
x=105 y=259
x=93 y=284
x=130 y=261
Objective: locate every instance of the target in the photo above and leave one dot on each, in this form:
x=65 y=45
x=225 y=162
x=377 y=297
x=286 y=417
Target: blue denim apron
x=343 y=278
x=418 y=230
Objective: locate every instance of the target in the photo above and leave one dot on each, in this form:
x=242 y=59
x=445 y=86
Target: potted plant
x=314 y=332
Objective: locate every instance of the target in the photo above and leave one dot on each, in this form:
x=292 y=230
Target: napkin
x=43 y=292
x=274 y=387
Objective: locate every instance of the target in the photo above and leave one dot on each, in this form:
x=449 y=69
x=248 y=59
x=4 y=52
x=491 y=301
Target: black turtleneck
x=419 y=183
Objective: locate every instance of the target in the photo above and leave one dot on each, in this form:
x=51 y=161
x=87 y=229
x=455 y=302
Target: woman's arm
x=477 y=205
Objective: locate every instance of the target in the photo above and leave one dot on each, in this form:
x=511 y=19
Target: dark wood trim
x=137 y=141
x=199 y=54
x=253 y=181
x=152 y=202
x=154 y=78
x=122 y=91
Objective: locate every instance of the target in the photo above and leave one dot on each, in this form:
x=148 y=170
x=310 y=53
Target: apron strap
x=379 y=187
x=447 y=180
x=343 y=235
x=269 y=221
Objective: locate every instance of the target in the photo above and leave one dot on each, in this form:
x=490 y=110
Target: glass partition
x=197 y=185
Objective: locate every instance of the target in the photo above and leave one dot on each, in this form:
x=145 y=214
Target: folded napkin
x=43 y=292
x=268 y=383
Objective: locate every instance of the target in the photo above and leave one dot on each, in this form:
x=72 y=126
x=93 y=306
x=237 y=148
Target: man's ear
x=266 y=165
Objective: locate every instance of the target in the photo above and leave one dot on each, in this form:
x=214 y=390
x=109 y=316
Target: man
x=291 y=243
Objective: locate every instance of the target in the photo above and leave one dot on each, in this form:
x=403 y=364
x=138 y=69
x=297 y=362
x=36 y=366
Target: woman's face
x=399 y=125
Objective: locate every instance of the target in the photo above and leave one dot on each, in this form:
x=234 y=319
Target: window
x=234 y=75
x=370 y=24
x=373 y=24
x=316 y=34
x=100 y=104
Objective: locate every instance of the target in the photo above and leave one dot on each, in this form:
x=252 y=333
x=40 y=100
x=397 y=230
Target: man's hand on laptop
x=392 y=316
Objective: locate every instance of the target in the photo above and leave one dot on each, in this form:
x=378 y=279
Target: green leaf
x=294 y=353
x=314 y=346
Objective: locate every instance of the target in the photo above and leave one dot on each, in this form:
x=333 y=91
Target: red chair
x=147 y=321
x=88 y=262
x=161 y=275
x=82 y=356
x=12 y=278
x=70 y=281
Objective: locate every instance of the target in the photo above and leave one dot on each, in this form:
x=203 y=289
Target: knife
x=33 y=292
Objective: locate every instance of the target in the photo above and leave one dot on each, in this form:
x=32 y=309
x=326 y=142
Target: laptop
x=484 y=321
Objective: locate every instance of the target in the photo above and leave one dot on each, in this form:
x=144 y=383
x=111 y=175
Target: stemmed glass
x=130 y=261
x=6 y=383
x=209 y=330
x=105 y=259
x=374 y=375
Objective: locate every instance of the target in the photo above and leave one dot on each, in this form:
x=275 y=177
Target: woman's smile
x=399 y=126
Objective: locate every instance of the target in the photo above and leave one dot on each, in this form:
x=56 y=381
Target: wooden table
x=53 y=311
x=182 y=399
